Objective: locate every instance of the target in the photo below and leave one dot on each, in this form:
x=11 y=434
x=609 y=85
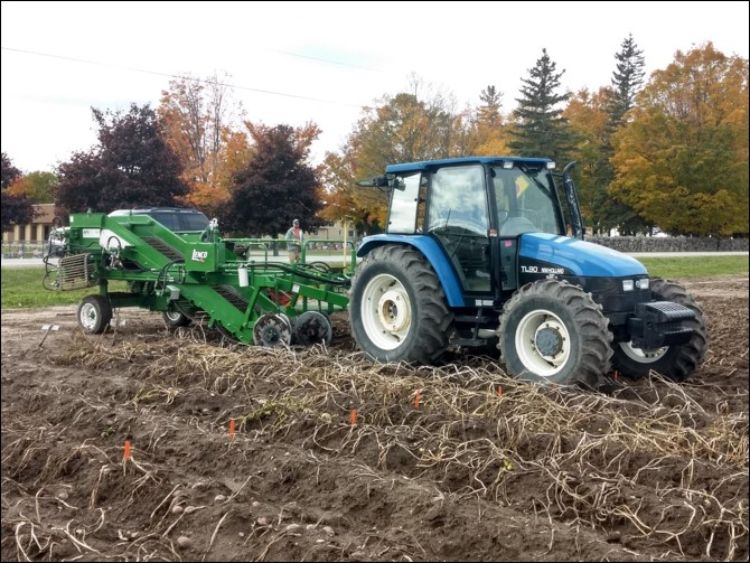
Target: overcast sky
x=317 y=61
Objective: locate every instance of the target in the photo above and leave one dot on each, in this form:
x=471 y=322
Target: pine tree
x=627 y=79
x=541 y=130
x=489 y=112
x=487 y=134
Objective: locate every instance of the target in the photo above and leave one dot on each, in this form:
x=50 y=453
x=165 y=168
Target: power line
x=181 y=77
x=327 y=61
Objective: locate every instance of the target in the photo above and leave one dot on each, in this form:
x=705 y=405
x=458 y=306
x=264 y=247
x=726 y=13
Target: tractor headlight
x=627 y=285
x=551 y=165
x=642 y=283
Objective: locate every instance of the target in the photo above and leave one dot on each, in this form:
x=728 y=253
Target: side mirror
x=373 y=182
x=572 y=197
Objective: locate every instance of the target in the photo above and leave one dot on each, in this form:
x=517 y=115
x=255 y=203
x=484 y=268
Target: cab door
x=458 y=217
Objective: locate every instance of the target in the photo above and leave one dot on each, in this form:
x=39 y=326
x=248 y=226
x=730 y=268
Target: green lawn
x=22 y=287
x=695 y=266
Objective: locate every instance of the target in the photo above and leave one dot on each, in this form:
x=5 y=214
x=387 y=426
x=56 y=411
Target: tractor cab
x=476 y=209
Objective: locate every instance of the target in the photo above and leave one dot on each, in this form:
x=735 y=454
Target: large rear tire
x=675 y=362
x=552 y=331
x=397 y=307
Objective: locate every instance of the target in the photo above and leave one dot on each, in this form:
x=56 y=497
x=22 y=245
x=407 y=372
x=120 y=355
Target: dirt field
x=457 y=463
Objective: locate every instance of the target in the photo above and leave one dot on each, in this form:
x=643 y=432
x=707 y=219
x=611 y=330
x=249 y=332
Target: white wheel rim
x=386 y=312
x=88 y=316
x=174 y=316
x=530 y=329
x=643 y=356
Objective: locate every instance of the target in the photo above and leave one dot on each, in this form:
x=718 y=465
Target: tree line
x=670 y=151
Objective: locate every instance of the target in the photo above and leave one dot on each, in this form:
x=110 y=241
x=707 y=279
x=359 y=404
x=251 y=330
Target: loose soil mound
x=335 y=458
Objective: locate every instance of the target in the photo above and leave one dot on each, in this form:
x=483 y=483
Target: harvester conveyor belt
x=164 y=248
x=230 y=295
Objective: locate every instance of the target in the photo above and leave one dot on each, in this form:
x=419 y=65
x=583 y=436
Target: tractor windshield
x=526 y=201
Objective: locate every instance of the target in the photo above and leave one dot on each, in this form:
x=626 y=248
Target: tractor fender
x=432 y=251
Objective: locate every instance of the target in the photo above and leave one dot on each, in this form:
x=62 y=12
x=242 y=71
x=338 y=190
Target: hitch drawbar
x=660 y=323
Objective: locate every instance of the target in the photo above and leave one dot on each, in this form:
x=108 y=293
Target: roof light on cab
x=507 y=164
x=551 y=165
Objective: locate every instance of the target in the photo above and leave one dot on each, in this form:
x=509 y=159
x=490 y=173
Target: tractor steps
x=164 y=248
x=475 y=319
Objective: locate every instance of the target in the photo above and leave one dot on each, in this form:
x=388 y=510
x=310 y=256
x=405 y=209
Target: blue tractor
x=476 y=254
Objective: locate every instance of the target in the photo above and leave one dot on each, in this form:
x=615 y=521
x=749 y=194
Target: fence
x=35 y=249
x=671 y=244
x=23 y=249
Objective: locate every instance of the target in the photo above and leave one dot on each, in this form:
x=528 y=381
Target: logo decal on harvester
x=199 y=256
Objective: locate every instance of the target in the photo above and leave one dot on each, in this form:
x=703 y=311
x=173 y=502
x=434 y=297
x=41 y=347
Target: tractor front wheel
x=675 y=362
x=552 y=331
x=397 y=308
x=94 y=314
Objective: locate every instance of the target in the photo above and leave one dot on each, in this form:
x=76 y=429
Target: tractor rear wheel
x=397 y=308
x=552 y=331
x=675 y=362
x=94 y=314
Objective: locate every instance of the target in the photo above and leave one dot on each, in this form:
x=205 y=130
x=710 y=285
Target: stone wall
x=671 y=244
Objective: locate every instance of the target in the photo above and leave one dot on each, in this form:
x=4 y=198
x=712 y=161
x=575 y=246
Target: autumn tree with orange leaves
x=196 y=115
x=416 y=125
x=586 y=113
x=682 y=160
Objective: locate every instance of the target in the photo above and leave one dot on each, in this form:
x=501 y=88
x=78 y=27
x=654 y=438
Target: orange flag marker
x=231 y=428
x=417 y=398
x=126 y=451
x=499 y=391
x=353 y=417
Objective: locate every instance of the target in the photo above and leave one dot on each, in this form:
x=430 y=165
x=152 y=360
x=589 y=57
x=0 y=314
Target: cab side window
x=404 y=199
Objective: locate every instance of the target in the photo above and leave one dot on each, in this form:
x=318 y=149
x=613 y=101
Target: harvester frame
x=249 y=298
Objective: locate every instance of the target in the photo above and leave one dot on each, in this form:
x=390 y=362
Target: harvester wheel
x=94 y=314
x=675 y=362
x=272 y=329
x=312 y=327
x=552 y=331
x=175 y=319
x=397 y=308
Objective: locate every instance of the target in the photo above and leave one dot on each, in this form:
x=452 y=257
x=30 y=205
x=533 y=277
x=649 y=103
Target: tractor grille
x=73 y=272
x=164 y=248
x=229 y=293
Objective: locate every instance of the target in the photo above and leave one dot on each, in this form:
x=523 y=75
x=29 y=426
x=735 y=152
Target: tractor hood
x=577 y=257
